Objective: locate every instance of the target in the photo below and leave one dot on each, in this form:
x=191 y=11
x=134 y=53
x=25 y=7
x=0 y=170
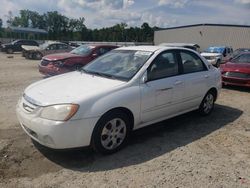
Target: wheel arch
x=119 y=109
x=122 y=110
x=214 y=91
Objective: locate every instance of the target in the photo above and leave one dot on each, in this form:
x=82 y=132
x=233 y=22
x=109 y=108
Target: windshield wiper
x=83 y=70
x=98 y=74
x=102 y=74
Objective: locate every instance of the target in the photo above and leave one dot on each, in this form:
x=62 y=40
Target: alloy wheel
x=208 y=103
x=113 y=133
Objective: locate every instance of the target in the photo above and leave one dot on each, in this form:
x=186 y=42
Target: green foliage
x=60 y=27
x=1 y=24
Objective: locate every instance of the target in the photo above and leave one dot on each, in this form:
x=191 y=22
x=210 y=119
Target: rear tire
x=111 y=132
x=207 y=104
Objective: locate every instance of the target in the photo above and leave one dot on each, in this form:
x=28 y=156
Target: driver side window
x=164 y=65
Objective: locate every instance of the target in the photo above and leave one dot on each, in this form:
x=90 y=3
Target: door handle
x=178 y=82
x=164 y=89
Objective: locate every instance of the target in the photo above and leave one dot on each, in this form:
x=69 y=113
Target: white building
x=205 y=35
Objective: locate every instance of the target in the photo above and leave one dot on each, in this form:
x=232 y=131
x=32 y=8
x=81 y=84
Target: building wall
x=205 y=36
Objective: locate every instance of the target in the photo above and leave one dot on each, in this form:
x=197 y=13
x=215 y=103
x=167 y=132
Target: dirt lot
x=187 y=151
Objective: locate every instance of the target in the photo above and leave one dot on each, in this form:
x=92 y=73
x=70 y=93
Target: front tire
x=111 y=132
x=37 y=56
x=9 y=51
x=207 y=104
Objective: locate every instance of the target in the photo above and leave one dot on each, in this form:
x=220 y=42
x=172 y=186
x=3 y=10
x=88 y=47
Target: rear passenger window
x=52 y=47
x=164 y=65
x=191 y=63
x=62 y=46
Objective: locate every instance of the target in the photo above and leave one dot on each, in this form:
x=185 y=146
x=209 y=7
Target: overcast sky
x=161 y=13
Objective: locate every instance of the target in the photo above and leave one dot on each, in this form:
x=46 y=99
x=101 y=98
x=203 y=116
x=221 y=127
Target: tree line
x=60 y=27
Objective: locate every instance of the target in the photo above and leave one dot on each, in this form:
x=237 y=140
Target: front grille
x=44 y=62
x=28 y=105
x=209 y=58
x=237 y=75
x=28 y=108
x=232 y=80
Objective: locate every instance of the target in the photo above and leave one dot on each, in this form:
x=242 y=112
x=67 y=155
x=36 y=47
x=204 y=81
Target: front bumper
x=56 y=134
x=51 y=70
x=3 y=49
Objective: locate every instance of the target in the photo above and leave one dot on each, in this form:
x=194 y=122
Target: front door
x=162 y=92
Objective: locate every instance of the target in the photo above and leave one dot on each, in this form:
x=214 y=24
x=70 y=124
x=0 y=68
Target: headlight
x=60 y=112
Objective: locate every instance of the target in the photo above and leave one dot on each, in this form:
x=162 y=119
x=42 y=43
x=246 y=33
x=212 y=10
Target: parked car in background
x=237 y=70
x=64 y=62
x=123 y=90
x=34 y=52
x=191 y=46
x=217 y=54
x=16 y=46
x=239 y=51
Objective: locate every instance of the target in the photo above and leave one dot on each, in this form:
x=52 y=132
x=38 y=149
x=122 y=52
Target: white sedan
x=123 y=90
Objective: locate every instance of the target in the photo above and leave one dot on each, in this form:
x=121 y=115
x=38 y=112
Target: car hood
x=210 y=54
x=28 y=47
x=60 y=56
x=237 y=67
x=7 y=44
x=73 y=87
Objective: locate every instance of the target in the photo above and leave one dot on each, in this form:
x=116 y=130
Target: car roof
x=101 y=45
x=245 y=52
x=53 y=42
x=219 y=47
x=144 y=48
x=243 y=49
x=179 y=44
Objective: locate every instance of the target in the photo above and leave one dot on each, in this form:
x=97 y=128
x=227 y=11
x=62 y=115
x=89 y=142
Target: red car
x=55 y=64
x=237 y=71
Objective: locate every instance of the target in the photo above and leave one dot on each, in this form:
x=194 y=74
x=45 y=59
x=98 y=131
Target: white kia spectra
x=123 y=90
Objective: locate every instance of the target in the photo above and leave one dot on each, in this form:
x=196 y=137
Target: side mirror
x=144 y=78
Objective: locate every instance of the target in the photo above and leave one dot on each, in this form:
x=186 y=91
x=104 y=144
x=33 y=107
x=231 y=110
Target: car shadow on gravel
x=147 y=143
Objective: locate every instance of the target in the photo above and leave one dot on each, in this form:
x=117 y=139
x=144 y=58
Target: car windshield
x=239 y=51
x=215 y=50
x=13 y=42
x=82 y=50
x=44 y=45
x=242 y=58
x=118 y=64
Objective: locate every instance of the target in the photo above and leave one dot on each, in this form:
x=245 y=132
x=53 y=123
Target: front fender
x=128 y=97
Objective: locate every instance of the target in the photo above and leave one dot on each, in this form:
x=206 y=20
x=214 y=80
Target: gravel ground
x=186 y=151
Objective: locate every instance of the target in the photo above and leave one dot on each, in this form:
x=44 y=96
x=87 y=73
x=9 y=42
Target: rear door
x=196 y=78
x=51 y=49
x=60 y=48
x=18 y=44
